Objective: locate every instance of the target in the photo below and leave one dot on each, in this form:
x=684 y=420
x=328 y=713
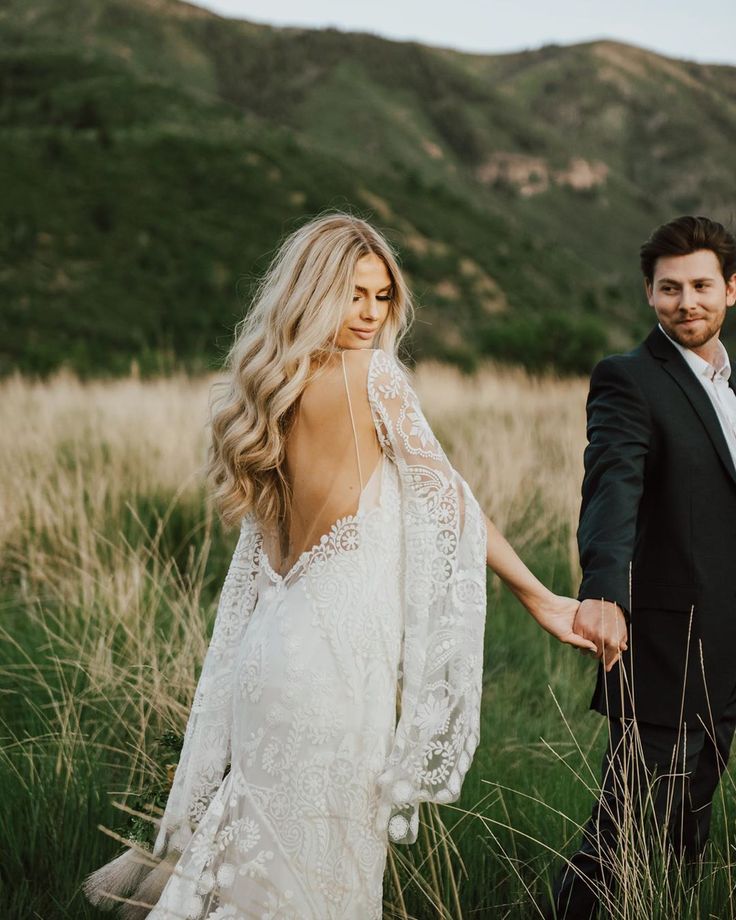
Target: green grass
x=72 y=745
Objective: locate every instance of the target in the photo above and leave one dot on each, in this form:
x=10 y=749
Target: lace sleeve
x=444 y=553
x=206 y=749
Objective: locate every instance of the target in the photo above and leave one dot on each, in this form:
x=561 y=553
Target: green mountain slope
x=152 y=154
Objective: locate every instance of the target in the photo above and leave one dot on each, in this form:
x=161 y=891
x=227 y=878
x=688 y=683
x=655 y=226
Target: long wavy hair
x=293 y=322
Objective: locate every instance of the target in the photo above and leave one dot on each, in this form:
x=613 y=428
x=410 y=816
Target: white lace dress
x=292 y=832
x=298 y=695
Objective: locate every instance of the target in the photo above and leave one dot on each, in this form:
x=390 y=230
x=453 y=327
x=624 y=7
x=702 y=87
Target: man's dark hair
x=684 y=235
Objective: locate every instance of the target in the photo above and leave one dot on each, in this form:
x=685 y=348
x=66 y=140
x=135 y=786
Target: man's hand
x=603 y=623
x=557 y=614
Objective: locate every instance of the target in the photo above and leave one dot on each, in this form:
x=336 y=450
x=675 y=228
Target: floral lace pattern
x=207 y=741
x=298 y=695
x=444 y=604
x=291 y=830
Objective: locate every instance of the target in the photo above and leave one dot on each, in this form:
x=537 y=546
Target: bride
x=359 y=572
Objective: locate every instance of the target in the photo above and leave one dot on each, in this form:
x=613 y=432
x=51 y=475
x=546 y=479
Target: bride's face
x=370 y=306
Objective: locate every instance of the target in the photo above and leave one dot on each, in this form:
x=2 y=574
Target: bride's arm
x=554 y=613
x=404 y=431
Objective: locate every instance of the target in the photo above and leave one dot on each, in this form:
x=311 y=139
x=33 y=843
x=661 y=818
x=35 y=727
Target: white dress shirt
x=714 y=379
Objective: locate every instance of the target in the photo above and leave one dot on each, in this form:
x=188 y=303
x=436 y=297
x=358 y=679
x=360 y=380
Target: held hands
x=557 y=615
x=597 y=628
x=603 y=624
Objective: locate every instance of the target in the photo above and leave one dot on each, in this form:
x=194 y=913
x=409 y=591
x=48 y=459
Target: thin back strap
x=352 y=420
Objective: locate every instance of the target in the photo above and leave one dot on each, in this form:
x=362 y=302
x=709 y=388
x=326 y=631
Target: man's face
x=690 y=296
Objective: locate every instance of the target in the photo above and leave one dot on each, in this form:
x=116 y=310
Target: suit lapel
x=675 y=365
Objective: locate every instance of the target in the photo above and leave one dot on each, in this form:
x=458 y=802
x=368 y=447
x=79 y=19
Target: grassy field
x=112 y=564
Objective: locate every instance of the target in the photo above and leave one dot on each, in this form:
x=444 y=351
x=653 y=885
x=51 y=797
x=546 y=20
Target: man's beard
x=712 y=328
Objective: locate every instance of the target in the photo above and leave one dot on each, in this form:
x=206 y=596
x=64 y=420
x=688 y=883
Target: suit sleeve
x=619 y=429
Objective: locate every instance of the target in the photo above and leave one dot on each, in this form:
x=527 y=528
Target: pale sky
x=700 y=31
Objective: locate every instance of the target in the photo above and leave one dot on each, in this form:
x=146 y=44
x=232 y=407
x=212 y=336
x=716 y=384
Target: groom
x=657 y=539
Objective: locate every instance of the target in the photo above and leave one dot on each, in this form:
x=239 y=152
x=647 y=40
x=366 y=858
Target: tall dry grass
x=519 y=441
x=74 y=455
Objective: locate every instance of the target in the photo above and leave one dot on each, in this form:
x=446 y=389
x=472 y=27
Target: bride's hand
x=556 y=614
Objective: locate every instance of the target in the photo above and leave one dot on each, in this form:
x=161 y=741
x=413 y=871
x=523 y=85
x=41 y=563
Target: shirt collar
x=699 y=366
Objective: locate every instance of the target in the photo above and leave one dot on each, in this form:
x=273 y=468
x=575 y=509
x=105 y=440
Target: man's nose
x=688 y=297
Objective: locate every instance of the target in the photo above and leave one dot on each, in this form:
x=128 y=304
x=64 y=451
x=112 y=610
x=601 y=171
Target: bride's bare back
x=332 y=452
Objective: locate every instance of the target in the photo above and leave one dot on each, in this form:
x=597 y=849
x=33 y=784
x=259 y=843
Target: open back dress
x=295 y=771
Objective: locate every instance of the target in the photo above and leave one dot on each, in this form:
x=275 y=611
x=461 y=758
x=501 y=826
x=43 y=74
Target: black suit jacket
x=657 y=535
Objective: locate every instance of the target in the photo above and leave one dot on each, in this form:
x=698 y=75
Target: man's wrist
x=607 y=600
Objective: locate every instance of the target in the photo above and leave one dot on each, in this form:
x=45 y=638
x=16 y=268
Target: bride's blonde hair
x=295 y=317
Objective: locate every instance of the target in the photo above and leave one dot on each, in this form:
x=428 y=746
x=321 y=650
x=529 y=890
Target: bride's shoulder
x=361 y=357
x=372 y=370
x=357 y=364
x=367 y=361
